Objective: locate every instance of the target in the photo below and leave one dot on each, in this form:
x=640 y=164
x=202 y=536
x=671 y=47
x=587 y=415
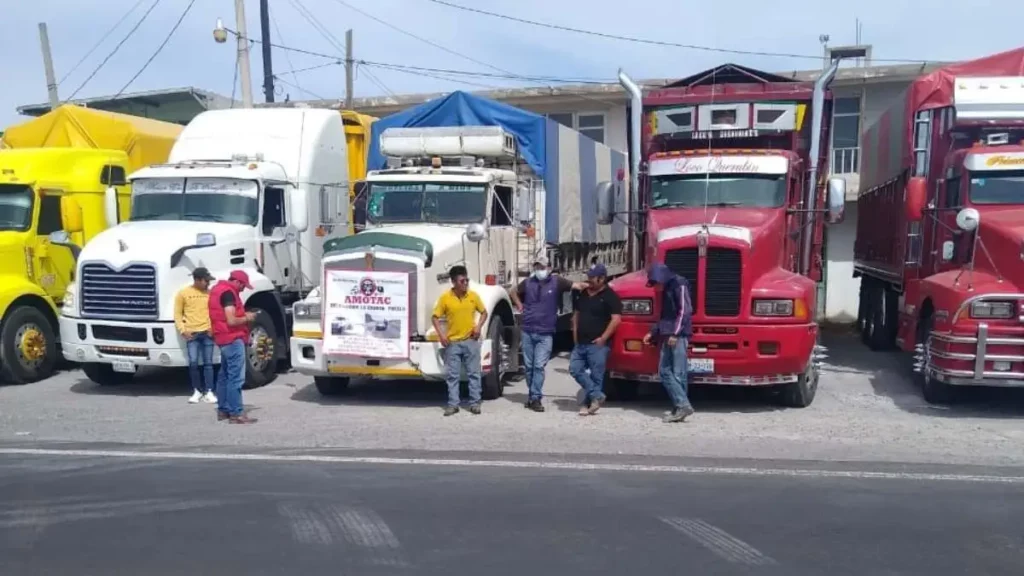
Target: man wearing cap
x=192 y=319
x=537 y=299
x=598 y=313
x=670 y=333
x=230 y=324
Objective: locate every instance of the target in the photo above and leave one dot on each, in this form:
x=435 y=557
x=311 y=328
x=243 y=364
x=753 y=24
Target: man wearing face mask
x=537 y=300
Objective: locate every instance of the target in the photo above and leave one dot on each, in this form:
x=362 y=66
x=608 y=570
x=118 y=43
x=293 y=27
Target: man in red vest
x=229 y=323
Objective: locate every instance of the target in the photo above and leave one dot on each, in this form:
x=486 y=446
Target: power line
x=637 y=40
x=287 y=56
x=300 y=88
x=103 y=38
x=380 y=84
x=159 y=48
x=114 y=51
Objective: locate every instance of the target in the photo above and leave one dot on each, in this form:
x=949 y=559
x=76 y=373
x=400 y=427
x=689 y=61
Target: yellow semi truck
x=357 y=138
x=54 y=173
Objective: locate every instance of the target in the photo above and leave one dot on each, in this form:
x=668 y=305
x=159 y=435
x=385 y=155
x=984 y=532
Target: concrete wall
x=841 y=288
x=615 y=133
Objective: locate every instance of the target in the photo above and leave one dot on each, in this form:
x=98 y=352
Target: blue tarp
x=464 y=109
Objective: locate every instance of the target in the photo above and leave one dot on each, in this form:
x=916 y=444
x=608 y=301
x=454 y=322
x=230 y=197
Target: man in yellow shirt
x=192 y=319
x=459 y=308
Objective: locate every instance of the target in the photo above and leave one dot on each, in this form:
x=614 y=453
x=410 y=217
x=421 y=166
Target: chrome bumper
x=980 y=374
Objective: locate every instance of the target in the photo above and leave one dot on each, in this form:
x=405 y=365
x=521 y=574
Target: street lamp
x=220 y=34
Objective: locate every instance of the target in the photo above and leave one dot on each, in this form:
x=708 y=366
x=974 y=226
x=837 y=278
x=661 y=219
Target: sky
x=469 y=42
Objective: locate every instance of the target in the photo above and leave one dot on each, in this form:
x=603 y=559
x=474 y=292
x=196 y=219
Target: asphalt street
x=64 y=513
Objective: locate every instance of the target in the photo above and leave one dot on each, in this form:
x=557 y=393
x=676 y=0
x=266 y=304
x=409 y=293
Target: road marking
x=44 y=516
x=523 y=464
x=306 y=527
x=719 y=542
x=363 y=529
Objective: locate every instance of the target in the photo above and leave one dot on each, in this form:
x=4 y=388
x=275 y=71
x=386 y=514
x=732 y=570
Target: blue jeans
x=231 y=378
x=594 y=358
x=459 y=355
x=536 y=353
x=200 y=351
x=672 y=370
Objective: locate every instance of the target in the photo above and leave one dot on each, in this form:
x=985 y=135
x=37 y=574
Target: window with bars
x=846 y=135
x=590 y=124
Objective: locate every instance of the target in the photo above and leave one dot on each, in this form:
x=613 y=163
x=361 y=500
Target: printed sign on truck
x=366 y=313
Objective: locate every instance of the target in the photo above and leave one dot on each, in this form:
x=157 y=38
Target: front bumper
x=141 y=343
x=426 y=360
x=991 y=356
x=742 y=354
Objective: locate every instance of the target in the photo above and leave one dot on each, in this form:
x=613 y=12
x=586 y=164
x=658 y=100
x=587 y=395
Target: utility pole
x=243 y=54
x=51 y=78
x=268 y=67
x=348 y=69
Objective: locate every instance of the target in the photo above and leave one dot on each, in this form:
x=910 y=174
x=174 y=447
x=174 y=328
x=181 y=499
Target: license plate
x=700 y=365
x=124 y=366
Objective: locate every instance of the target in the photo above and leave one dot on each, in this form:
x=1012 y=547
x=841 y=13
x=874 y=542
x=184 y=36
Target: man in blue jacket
x=671 y=332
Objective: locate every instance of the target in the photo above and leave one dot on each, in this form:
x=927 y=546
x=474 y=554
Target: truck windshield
x=437 y=202
x=1002 y=187
x=15 y=207
x=197 y=199
x=692 y=190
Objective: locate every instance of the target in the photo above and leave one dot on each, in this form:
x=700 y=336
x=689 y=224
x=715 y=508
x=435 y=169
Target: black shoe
x=474 y=409
x=451 y=410
x=678 y=415
x=535 y=405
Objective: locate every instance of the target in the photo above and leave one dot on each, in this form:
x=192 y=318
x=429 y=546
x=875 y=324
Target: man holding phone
x=230 y=326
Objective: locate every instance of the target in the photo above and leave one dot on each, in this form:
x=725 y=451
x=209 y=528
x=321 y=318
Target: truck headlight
x=68 y=303
x=773 y=307
x=992 y=309
x=637 y=306
x=306 y=310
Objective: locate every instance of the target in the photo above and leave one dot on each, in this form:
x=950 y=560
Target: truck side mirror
x=836 y=200
x=476 y=232
x=110 y=206
x=203 y=240
x=299 y=216
x=524 y=204
x=71 y=214
x=605 y=202
x=62 y=238
x=917 y=196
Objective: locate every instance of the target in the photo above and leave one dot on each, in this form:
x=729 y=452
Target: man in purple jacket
x=671 y=333
x=537 y=298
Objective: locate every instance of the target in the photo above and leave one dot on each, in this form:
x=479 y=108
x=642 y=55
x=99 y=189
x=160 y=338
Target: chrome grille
x=684 y=261
x=722 y=282
x=127 y=293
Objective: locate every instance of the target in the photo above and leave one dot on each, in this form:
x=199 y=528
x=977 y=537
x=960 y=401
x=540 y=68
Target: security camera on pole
x=220 y=36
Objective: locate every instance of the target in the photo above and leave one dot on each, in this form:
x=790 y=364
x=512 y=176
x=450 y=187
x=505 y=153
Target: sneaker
x=195 y=398
x=595 y=405
x=584 y=411
x=474 y=409
x=536 y=406
x=451 y=410
x=209 y=398
x=678 y=415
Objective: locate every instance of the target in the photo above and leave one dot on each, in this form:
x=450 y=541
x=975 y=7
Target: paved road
x=866 y=410
x=273 y=514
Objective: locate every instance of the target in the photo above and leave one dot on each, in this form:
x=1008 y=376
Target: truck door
x=946 y=241
x=53 y=265
x=275 y=253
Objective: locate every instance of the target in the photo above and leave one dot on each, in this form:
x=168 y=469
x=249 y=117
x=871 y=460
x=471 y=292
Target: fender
x=491 y=296
x=947 y=292
x=13 y=287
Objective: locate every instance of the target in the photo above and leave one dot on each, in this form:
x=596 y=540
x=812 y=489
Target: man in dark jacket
x=671 y=332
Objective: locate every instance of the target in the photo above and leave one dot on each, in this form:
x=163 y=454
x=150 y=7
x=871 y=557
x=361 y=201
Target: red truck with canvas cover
x=940 y=240
x=729 y=169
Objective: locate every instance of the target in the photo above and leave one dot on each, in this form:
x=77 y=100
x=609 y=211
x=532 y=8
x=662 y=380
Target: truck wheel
x=104 y=375
x=494 y=381
x=261 y=364
x=801 y=393
x=331 y=385
x=878 y=329
x=28 y=346
x=934 y=391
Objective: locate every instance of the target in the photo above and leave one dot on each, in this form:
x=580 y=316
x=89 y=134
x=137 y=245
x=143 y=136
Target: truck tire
x=331 y=385
x=28 y=346
x=493 y=383
x=261 y=356
x=104 y=375
x=878 y=328
x=934 y=392
x=801 y=393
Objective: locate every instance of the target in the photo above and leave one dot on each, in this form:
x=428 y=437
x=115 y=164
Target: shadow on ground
x=147 y=382
x=890 y=374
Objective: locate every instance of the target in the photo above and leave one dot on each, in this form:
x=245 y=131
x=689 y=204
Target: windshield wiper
x=210 y=217
x=724 y=203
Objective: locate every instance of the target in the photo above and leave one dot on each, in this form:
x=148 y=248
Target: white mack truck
x=454 y=195
x=243 y=189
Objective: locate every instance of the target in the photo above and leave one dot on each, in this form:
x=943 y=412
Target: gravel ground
x=866 y=410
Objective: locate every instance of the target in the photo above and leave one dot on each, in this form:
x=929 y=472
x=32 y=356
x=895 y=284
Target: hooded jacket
x=676 y=307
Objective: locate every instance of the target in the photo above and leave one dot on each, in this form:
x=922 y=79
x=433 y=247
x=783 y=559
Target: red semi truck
x=730 y=173
x=940 y=238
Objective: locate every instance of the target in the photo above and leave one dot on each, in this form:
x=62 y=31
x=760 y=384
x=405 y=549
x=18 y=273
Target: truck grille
x=126 y=293
x=723 y=286
x=683 y=261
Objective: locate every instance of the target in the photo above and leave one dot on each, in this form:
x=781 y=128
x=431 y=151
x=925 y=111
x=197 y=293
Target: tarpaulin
x=935 y=90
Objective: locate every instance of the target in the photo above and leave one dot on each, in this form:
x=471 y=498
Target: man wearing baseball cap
x=192 y=319
x=537 y=299
x=230 y=325
x=598 y=313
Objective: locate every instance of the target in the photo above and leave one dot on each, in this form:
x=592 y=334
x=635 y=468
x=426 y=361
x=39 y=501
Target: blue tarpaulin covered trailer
x=569 y=164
